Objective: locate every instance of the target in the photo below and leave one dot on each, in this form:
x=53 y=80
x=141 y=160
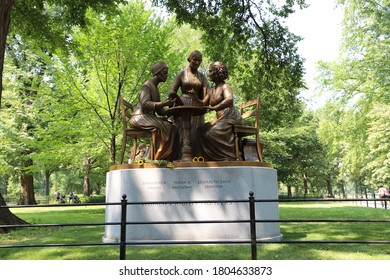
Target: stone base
x=191 y=184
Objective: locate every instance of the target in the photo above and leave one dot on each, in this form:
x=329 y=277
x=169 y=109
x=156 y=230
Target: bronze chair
x=248 y=110
x=126 y=109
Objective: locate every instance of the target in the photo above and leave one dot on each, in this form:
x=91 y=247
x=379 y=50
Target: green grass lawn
x=290 y=231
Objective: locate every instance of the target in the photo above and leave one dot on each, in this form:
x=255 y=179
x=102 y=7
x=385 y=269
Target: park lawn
x=290 y=231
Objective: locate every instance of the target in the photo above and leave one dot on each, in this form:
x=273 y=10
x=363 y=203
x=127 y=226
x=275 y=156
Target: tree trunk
x=112 y=149
x=87 y=191
x=7 y=217
x=27 y=186
x=343 y=191
x=304 y=184
x=47 y=182
x=98 y=188
x=329 y=188
x=6 y=183
x=5 y=20
x=87 y=166
x=289 y=193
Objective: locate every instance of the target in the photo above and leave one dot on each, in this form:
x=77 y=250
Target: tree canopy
x=359 y=80
x=249 y=36
x=47 y=22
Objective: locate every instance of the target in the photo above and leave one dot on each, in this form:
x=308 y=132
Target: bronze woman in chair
x=215 y=138
x=145 y=114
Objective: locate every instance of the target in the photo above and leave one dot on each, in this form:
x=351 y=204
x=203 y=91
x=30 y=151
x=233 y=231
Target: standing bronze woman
x=216 y=139
x=148 y=106
x=193 y=86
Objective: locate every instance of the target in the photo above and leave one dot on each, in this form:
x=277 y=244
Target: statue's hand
x=169 y=102
x=173 y=95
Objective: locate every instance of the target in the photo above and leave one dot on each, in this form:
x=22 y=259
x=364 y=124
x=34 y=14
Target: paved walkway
x=373 y=204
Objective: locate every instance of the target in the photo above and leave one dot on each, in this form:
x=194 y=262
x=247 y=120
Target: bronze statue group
x=213 y=140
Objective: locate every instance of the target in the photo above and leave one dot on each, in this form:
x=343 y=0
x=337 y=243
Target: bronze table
x=186 y=112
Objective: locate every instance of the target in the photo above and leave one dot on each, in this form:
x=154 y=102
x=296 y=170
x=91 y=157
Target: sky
x=320 y=27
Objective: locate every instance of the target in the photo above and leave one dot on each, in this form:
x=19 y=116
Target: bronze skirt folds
x=216 y=142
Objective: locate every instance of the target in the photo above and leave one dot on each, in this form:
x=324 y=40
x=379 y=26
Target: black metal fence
x=251 y=221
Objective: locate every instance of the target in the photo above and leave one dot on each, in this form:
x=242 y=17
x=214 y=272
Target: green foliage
x=355 y=133
x=261 y=54
x=298 y=155
x=49 y=22
x=366 y=35
x=94 y=199
x=112 y=56
x=19 y=117
x=378 y=143
x=45 y=24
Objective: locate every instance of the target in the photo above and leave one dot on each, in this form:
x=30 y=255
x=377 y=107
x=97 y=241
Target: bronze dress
x=216 y=139
x=145 y=117
x=192 y=91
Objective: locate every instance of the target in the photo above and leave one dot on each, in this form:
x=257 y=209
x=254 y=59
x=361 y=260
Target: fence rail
x=251 y=221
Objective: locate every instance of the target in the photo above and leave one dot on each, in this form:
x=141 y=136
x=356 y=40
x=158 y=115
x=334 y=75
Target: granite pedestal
x=188 y=184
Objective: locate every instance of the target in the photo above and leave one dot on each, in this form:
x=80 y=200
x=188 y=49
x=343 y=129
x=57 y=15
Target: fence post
x=122 y=244
x=252 y=216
